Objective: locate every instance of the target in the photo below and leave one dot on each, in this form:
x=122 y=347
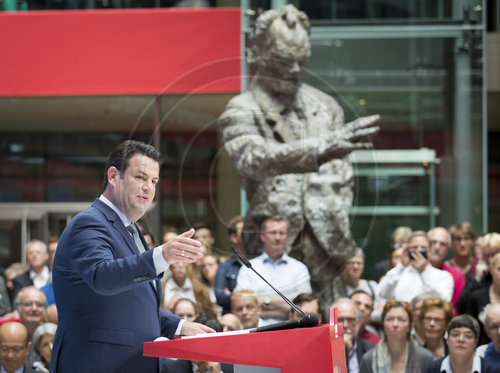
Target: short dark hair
x=304 y=298
x=272 y=218
x=361 y=291
x=201 y=225
x=464 y=321
x=210 y=321
x=232 y=229
x=121 y=154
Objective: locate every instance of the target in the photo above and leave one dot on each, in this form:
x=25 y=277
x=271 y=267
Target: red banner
x=120 y=52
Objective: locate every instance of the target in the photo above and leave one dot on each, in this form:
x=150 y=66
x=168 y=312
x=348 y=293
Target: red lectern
x=319 y=349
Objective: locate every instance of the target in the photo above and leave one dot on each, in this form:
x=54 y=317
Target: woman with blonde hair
x=396 y=352
x=435 y=315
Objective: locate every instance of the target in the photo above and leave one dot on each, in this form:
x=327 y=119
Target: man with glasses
x=440 y=244
x=31 y=305
x=14 y=348
x=350 y=317
x=415 y=275
x=463 y=334
x=288 y=275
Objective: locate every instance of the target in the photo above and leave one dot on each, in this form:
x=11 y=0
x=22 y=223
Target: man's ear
x=113 y=173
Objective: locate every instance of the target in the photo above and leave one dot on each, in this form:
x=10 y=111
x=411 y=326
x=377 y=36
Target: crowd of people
x=424 y=313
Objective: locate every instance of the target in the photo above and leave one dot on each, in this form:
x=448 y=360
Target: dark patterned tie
x=135 y=233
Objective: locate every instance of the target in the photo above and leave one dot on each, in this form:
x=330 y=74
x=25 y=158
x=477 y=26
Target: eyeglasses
x=398 y=246
x=438 y=321
x=13 y=349
x=455 y=334
x=31 y=304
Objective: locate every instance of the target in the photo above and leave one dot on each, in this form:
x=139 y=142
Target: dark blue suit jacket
x=107 y=304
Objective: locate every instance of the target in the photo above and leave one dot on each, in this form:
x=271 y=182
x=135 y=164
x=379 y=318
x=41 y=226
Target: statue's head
x=280 y=49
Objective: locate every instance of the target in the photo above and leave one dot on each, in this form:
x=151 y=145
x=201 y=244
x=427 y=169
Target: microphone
x=244 y=261
x=304 y=322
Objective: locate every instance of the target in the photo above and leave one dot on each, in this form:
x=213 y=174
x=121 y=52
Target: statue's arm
x=258 y=157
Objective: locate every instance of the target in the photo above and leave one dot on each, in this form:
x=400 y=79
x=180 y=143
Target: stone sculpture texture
x=290 y=146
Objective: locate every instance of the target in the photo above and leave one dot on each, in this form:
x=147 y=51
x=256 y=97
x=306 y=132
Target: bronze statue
x=290 y=146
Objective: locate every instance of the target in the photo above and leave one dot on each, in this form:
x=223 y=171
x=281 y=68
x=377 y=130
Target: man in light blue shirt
x=288 y=275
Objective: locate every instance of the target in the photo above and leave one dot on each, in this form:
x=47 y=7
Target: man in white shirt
x=414 y=274
x=288 y=275
x=38 y=274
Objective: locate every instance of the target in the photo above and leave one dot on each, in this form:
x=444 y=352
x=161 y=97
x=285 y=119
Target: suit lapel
x=118 y=225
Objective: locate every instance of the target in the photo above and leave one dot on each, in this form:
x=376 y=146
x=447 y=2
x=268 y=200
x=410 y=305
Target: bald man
x=14 y=348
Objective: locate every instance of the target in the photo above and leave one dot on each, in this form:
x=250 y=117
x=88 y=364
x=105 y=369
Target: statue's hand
x=347 y=139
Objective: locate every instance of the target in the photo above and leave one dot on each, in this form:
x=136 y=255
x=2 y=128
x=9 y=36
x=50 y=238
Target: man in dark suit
x=107 y=283
x=350 y=316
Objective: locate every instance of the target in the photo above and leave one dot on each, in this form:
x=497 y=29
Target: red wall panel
x=120 y=52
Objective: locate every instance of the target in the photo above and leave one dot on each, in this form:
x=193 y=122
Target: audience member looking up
x=288 y=275
x=38 y=274
x=414 y=275
x=396 y=352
